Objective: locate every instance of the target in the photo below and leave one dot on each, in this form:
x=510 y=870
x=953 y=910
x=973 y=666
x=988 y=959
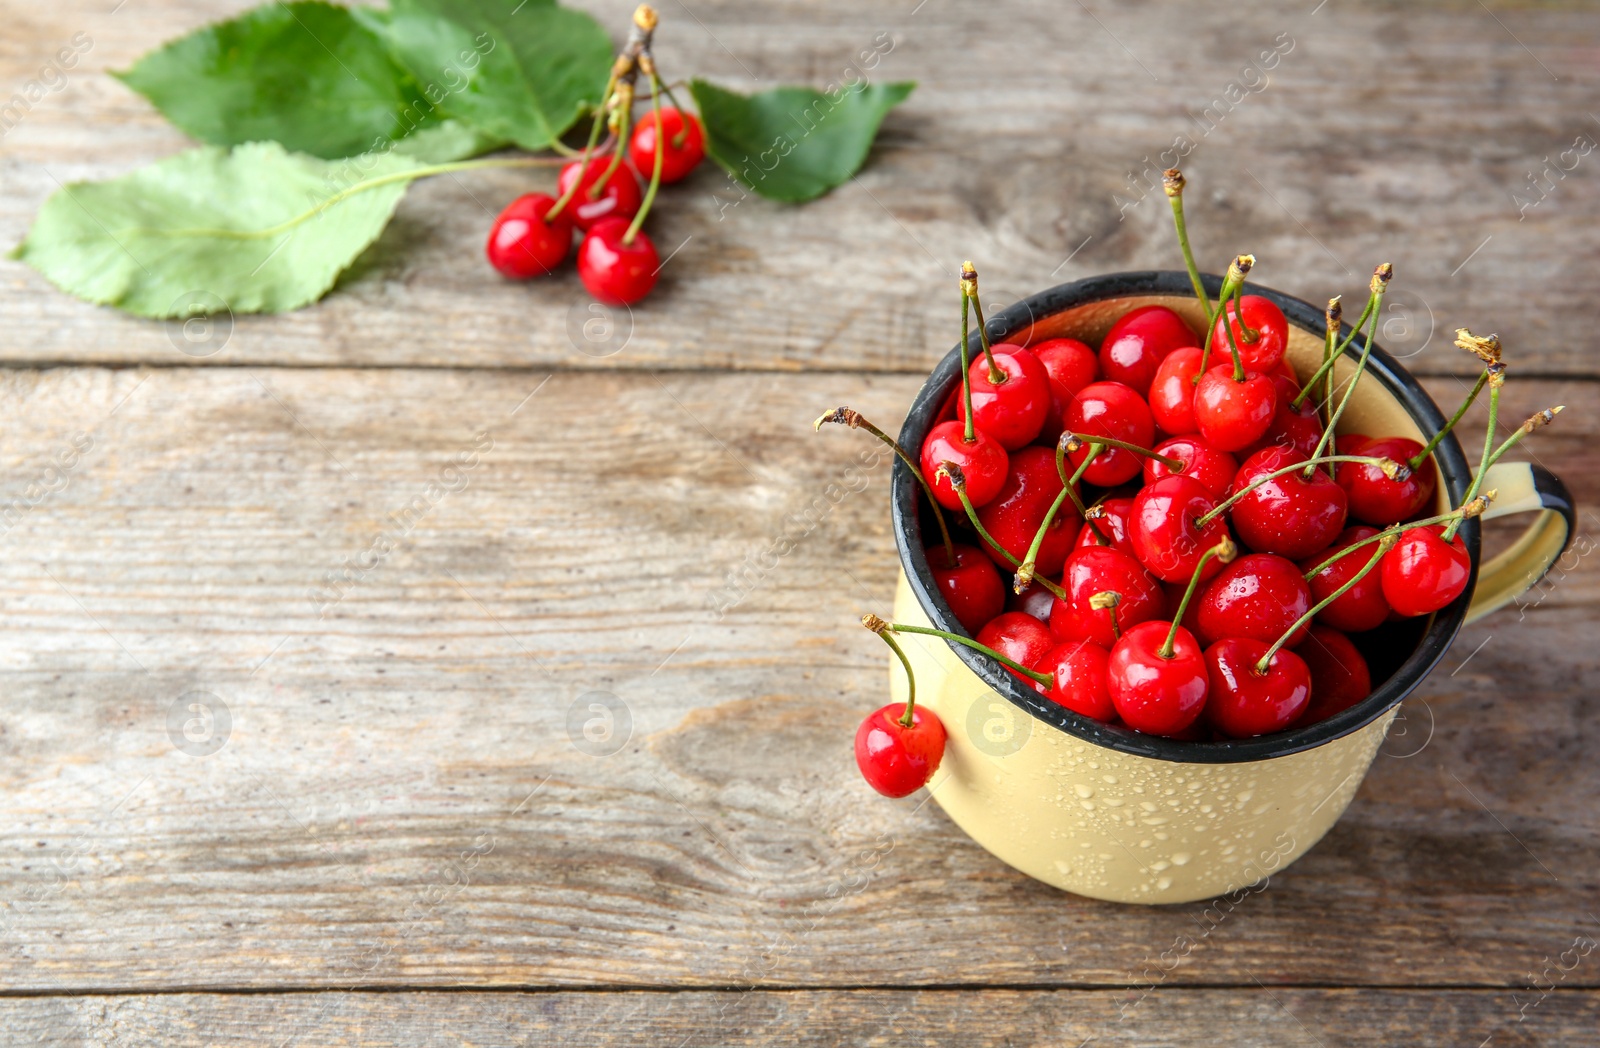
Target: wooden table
x=406 y=838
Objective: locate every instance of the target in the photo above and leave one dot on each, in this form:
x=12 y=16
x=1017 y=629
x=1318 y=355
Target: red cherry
x=1172 y=391
x=1138 y=342
x=1289 y=515
x=1374 y=498
x=1079 y=669
x=897 y=760
x=1112 y=517
x=619 y=199
x=1096 y=569
x=1035 y=600
x=1233 y=415
x=1152 y=693
x=686 y=145
x=1245 y=703
x=1258 y=597
x=1014 y=409
x=1361 y=607
x=1212 y=468
x=616 y=272
x=1014 y=516
x=1339 y=675
x=523 y=244
x=983 y=463
x=1110 y=409
x=1297 y=428
x=1164 y=531
x=972 y=587
x=1423 y=573
x=1070 y=363
x=1022 y=639
x=1272 y=327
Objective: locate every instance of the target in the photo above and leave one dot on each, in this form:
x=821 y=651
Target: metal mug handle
x=1523 y=488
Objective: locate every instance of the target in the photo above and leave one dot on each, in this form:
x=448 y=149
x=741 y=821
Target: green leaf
x=232 y=224
x=445 y=141
x=522 y=70
x=309 y=75
x=794 y=143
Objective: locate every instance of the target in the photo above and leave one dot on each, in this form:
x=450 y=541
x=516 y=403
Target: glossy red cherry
x=1014 y=409
x=972 y=587
x=1155 y=694
x=1339 y=675
x=1423 y=573
x=897 y=760
x=1165 y=531
x=1243 y=702
x=1079 y=669
x=1014 y=516
x=1095 y=569
x=1035 y=600
x=1110 y=409
x=1112 y=518
x=1258 y=596
x=1361 y=607
x=983 y=463
x=615 y=271
x=1172 y=391
x=1271 y=326
x=1068 y=362
x=1374 y=498
x=1020 y=638
x=1288 y=515
x=523 y=244
x=1233 y=415
x=686 y=145
x=620 y=197
x=1137 y=344
x=1297 y=428
x=1212 y=468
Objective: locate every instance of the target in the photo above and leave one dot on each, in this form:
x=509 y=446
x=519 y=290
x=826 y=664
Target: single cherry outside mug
x=1106 y=812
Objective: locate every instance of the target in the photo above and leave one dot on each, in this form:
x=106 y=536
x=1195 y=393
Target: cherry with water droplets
x=524 y=243
x=1153 y=692
x=1374 y=498
x=1013 y=517
x=897 y=760
x=1287 y=515
x=613 y=269
x=983 y=463
x=1339 y=674
x=1299 y=429
x=1111 y=517
x=685 y=147
x=1361 y=607
x=1035 y=600
x=1172 y=391
x=971 y=586
x=1012 y=410
x=1165 y=531
x=1110 y=409
x=1137 y=344
x=1021 y=638
x=1272 y=329
x=1214 y=469
x=1232 y=415
x=1093 y=570
x=619 y=198
x=1423 y=572
x=1078 y=669
x=1245 y=702
x=1071 y=365
x=1258 y=596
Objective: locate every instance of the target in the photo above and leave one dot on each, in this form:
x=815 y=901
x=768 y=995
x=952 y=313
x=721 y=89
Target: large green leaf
x=215 y=224
x=307 y=74
x=794 y=143
x=521 y=70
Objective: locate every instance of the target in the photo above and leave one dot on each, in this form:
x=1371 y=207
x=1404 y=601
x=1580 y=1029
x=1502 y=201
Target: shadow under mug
x=1103 y=811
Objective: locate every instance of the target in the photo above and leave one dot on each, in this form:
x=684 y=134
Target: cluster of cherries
x=1188 y=543
x=599 y=192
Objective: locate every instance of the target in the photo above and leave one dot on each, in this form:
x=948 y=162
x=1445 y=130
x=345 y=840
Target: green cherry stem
x=1330 y=358
x=588 y=154
x=881 y=628
x=1330 y=353
x=1488 y=451
x=1391 y=469
x=1238 y=269
x=655 y=175
x=1224 y=551
x=1386 y=542
x=1108 y=600
x=1380 y=282
x=1069 y=484
x=1172 y=181
x=855 y=420
x=966 y=366
x=1250 y=334
x=1042 y=678
x=969 y=287
x=1071 y=441
x=1471 y=509
x=958 y=482
x=1477 y=387
x=1025 y=569
x=1543 y=418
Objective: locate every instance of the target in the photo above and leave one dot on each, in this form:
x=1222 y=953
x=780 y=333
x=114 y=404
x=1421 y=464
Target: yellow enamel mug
x=1106 y=812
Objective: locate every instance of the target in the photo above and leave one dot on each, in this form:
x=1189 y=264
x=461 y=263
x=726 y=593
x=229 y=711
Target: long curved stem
x=655 y=175
x=1025 y=569
x=1422 y=456
x=911 y=679
x=1173 y=181
x=587 y=155
x=855 y=420
x=1483 y=464
x=966 y=369
x=983 y=533
x=1350 y=387
x=1385 y=544
x=1008 y=663
x=1226 y=551
x=1395 y=529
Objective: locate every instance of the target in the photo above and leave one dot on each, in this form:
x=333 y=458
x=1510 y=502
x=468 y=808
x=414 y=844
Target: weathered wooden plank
x=1254 y=1017
x=1372 y=134
x=406 y=796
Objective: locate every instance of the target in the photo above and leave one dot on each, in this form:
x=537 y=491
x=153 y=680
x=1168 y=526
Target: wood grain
x=1378 y=134
x=402 y=800
x=1254 y=1017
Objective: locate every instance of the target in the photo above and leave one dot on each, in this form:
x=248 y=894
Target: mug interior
x=1389 y=402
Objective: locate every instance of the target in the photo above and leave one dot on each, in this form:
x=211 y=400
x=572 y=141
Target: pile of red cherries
x=1188 y=546
x=599 y=194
